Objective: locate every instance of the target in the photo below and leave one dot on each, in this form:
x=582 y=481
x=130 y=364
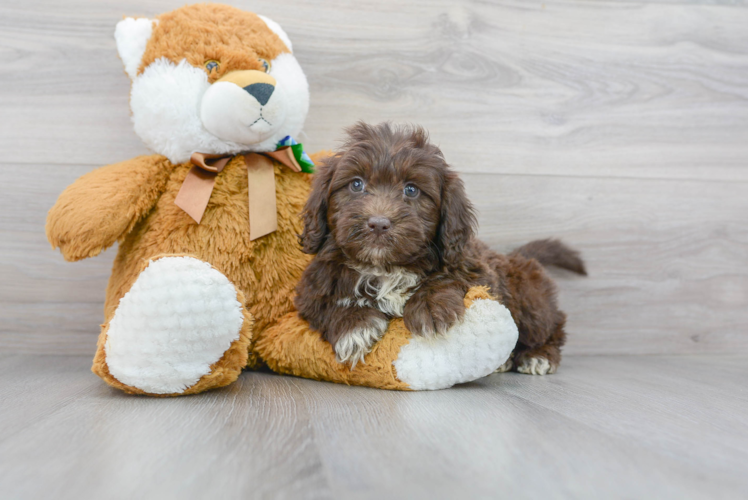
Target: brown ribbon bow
x=197 y=187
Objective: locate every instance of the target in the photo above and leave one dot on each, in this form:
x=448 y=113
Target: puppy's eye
x=411 y=191
x=265 y=65
x=357 y=185
x=211 y=65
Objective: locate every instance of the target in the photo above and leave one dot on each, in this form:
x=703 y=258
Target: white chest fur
x=389 y=291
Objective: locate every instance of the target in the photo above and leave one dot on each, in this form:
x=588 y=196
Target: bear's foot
x=180 y=329
x=474 y=348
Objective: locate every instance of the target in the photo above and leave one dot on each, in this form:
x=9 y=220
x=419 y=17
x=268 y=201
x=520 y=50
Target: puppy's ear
x=315 y=210
x=458 y=221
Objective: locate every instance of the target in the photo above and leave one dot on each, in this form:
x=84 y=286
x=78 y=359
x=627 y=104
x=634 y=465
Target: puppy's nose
x=260 y=91
x=379 y=225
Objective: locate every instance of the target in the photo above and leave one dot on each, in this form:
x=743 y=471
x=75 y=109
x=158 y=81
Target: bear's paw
x=178 y=319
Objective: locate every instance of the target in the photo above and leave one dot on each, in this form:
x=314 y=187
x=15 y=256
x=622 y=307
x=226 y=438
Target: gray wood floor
x=602 y=427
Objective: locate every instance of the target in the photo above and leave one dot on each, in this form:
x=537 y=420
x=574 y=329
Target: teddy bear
x=207 y=227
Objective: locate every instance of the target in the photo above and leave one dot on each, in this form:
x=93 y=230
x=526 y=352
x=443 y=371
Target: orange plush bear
x=208 y=257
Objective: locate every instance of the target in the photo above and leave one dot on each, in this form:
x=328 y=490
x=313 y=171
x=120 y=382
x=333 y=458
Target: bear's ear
x=132 y=36
x=275 y=28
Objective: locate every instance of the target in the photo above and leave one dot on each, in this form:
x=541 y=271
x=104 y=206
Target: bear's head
x=213 y=79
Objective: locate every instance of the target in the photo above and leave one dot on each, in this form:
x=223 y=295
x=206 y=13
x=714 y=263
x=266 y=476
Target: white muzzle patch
x=231 y=113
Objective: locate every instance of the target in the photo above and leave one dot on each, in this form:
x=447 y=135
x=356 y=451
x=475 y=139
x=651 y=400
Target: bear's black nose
x=260 y=91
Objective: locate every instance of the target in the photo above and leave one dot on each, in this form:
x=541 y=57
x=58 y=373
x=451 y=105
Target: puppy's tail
x=552 y=252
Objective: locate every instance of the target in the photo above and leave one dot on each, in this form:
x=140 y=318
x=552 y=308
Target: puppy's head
x=388 y=198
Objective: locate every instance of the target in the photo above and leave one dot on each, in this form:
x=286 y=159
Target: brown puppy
x=394 y=236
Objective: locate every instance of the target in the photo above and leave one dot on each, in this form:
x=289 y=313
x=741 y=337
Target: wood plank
x=718 y=384
x=668 y=261
x=51 y=328
x=575 y=88
x=108 y=443
x=602 y=427
x=26 y=394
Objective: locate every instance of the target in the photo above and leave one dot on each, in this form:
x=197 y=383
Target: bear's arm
x=104 y=205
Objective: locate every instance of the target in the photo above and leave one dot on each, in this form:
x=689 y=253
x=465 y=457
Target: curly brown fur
x=552 y=252
x=394 y=235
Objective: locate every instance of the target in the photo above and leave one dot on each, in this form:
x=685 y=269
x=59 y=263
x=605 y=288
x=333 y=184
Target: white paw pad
x=178 y=318
x=471 y=349
x=536 y=366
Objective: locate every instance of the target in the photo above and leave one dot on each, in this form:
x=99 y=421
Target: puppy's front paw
x=352 y=346
x=429 y=314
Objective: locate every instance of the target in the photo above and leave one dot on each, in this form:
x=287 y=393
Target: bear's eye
x=411 y=191
x=357 y=185
x=211 y=65
x=265 y=65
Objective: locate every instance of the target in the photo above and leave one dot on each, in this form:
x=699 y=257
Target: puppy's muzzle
x=258 y=84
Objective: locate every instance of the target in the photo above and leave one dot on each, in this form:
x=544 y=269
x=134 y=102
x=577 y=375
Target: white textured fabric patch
x=472 y=349
x=178 y=318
